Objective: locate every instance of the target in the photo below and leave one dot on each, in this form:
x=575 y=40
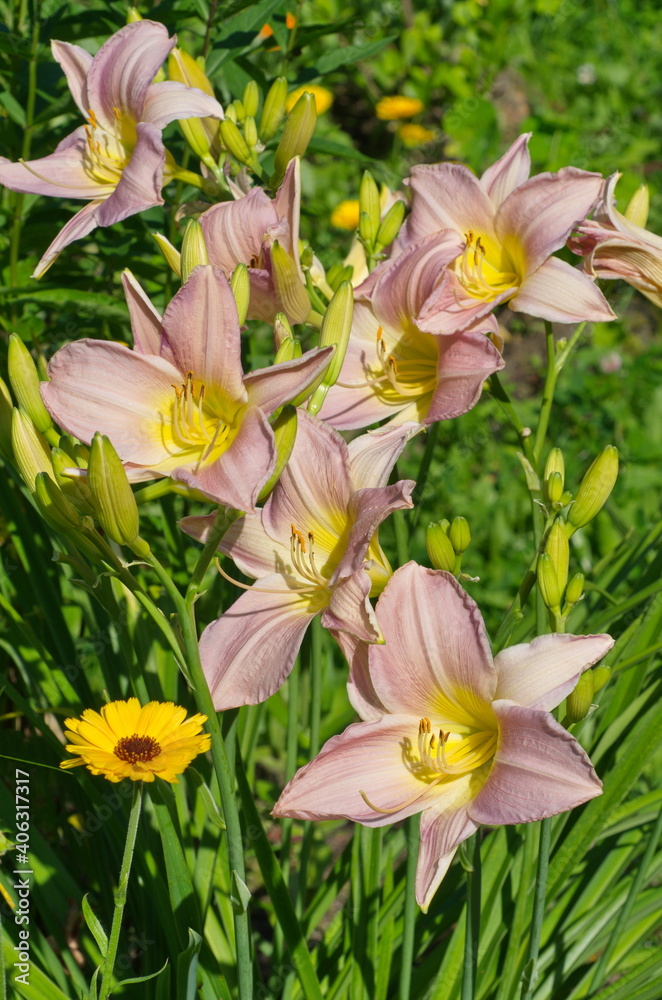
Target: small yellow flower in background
x=266 y=31
x=127 y=740
x=346 y=215
x=389 y=109
x=290 y=21
x=415 y=135
x=323 y=98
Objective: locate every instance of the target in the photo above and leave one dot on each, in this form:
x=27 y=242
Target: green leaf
x=13 y=108
x=142 y=979
x=211 y=808
x=95 y=927
x=241 y=894
x=187 y=967
x=349 y=54
x=328 y=146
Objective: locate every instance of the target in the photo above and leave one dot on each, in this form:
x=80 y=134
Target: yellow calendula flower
x=127 y=740
x=415 y=135
x=346 y=215
x=323 y=98
x=389 y=109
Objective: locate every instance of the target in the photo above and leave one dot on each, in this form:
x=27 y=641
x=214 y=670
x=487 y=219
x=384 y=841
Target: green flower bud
x=637 y=207
x=601 y=675
x=116 y=507
x=440 y=550
x=273 y=111
x=282 y=329
x=31 y=451
x=594 y=489
x=579 y=702
x=391 y=223
x=75 y=489
x=575 y=589
x=459 y=534
x=133 y=15
x=194 y=249
x=240 y=283
x=54 y=506
x=548 y=583
x=251 y=98
x=336 y=328
x=235 y=143
x=558 y=550
x=172 y=256
x=297 y=133
x=554 y=487
x=231 y=113
x=250 y=132
x=369 y=209
x=25 y=383
x=290 y=290
x=307 y=257
x=6 y=408
x=289 y=350
x=285 y=432
x=555 y=463
x=240 y=110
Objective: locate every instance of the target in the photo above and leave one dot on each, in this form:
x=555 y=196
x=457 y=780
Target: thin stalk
x=548 y=395
x=315 y=653
x=520 y=920
x=359 y=985
x=472 y=934
x=499 y=393
x=410 y=909
x=121 y=892
x=291 y=750
x=622 y=918
x=423 y=472
x=540 y=892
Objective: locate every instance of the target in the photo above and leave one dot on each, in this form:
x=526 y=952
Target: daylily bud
x=289 y=350
x=194 y=248
x=76 y=490
x=594 y=489
x=6 y=407
x=391 y=223
x=240 y=283
x=440 y=551
x=185 y=69
x=231 y=113
x=172 y=256
x=601 y=675
x=133 y=15
x=554 y=475
x=369 y=208
x=251 y=98
x=297 y=133
x=336 y=328
x=637 y=207
x=291 y=291
x=554 y=487
x=240 y=110
x=548 y=583
x=25 y=383
x=338 y=273
x=285 y=432
x=558 y=550
x=282 y=330
x=250 y=132
x=235 y=143
x=579 y=702
x=30 y=448
x=575 y=589
x=459 y=534
x=53 y=504
x=200 y=133
x=273 y=111
x=116 y=507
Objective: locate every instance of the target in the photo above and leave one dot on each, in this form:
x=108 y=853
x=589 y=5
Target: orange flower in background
x=397 y=106
x=290 y=21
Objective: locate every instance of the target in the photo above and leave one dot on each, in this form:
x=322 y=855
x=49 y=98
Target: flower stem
x=530 y=971
x=473 y=922
x=121 y=891
x=548 y=395
x=409 y=915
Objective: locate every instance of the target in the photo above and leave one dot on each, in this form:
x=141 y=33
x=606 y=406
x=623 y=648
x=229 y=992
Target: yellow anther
x=92 y=118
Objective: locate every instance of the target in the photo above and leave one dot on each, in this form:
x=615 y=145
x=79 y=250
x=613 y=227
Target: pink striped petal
x=450 y=309
x=80 y=225
x=541 y=673
x=403 y=288
x=368 y=507
x=271 y=387
x=350 y=610
x=447 y=196
x=509 y=172
x=62 y=174
x=373 y=455
x=539 y=770
x=360 y=690
x=466 y=359
x=139 y=187
x=562 y=294
x=169 y=99
x=145 y=320
x=287 y=205
x=75 y=63
x=255 y=552
x=234 y=230
x=444 y=825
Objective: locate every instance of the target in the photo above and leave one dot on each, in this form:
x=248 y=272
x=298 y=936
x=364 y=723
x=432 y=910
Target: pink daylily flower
x=614 y=247
x=395 y=369
x=117 y=161
x=179 y=404
x=449 y=731
x=244 y=232
x=509 y=226
x=312 y=549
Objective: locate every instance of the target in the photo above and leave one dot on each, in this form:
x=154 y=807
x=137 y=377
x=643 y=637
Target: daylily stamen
x=263 y=590
x=402 y=805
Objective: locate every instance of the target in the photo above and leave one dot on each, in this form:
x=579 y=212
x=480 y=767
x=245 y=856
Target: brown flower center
x=137 y=748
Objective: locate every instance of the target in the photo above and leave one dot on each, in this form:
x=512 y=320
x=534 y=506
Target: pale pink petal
x=271 y=387
x=373 y=455
x=263 y=303
x=449 y=308
x=287 y=204
x=140 y=185
x=436 y=645
x=255 y=552
x=201 y=330
x=314 y=490
x=237 y=476
x=80 y=225
x=350 y=610
x=248 y=652
x=466 y=360
x=403 y=288
x=447 y=196
x=541 y=673
x=367 y=509
x=537 y=218
x=234 y=230
x=100 y=386
x=169 y=99
x=75 y=63
x=371 y=757
x=509 y=172
x=145 y=320
x=62 y=174
x=360 y=690
x=444 y=825
x=562 y=294
x=539 y=770
x=123 y=70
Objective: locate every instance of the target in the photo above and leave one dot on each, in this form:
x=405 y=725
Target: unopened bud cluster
x=447 y=542
x=375 y=232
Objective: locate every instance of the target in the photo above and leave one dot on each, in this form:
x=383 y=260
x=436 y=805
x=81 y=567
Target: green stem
x=520 y=920
x=499 y=393
x=410 y=909
x=17 y=224
x=540 y=892
x=315 y=653
x=120 y=894
x=472 y=933
x=423 y=471
x=548 y=395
